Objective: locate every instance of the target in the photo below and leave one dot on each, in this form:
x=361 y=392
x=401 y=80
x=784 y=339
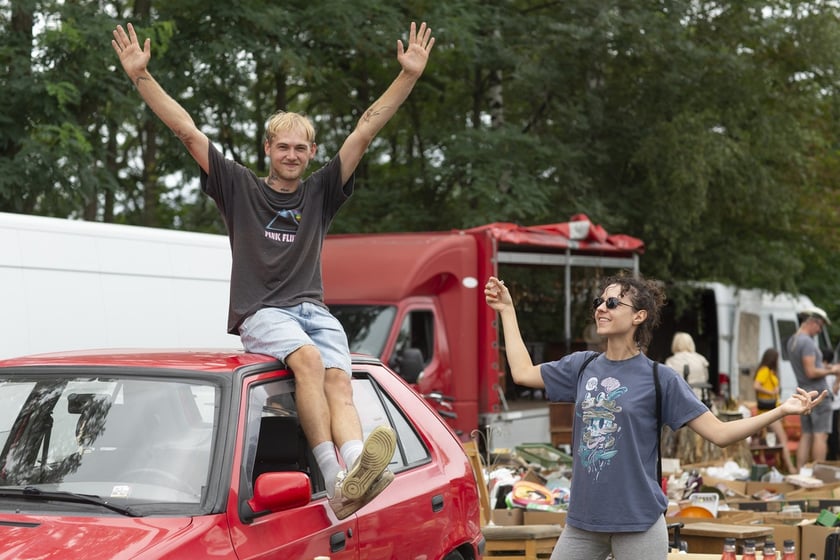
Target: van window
x=748 y=350
x=786 y=329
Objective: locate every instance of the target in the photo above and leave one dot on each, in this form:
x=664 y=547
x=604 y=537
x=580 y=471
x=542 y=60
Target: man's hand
x=413 y=58
x=134 y=60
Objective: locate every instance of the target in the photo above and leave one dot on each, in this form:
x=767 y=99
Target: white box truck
x=732 y=327
x=67 y=284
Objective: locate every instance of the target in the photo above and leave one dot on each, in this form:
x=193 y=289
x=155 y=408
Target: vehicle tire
x=454 y=555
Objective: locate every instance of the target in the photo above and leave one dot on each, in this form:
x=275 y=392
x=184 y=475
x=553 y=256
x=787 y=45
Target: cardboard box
x=707 y=537
x=818 y=499
x=831 y=491
x=730 y=488
x=512 y=516
x=813 y=540
x=767 y=506
x=534 y=517
x=782 y=526
x=787 y=527
x=758 y=488
x=827 y=473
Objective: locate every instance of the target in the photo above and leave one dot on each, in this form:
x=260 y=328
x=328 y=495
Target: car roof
x=197 y=359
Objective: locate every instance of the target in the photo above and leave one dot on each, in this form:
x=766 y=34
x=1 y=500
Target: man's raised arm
x=135 y=61
x=413 y=59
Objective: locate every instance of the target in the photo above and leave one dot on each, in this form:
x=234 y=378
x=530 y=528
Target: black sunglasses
x=612 y=303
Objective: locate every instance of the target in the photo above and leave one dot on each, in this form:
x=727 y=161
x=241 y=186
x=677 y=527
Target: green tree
x=708 y=130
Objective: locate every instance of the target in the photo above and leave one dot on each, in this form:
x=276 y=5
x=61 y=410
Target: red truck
x=416 y=301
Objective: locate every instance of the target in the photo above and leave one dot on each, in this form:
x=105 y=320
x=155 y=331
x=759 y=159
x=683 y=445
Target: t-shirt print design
x=284 y=225
x=598 y=413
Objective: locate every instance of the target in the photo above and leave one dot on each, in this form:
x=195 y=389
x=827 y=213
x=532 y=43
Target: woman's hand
x=802 y=401
x=497 y=295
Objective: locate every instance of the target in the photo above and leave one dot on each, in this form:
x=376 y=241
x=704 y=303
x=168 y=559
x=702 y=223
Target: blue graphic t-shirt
x=614 y=484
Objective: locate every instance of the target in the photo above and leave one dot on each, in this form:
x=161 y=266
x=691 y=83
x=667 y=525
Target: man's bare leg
x=314 y=410
x=803 y=451
x=365 y=463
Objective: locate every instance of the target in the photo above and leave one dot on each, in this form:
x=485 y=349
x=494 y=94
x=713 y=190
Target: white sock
x=328 y=464
x=351 y=451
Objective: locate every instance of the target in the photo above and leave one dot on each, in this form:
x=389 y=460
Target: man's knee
x=337 y=382
x=305 y=361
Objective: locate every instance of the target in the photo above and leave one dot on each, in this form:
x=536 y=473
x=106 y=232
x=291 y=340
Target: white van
x=68 y=284
x=732 y=327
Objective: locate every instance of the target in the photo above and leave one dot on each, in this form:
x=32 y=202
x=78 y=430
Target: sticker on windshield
x=121 y=491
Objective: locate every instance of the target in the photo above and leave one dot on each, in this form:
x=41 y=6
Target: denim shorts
x=278 y=332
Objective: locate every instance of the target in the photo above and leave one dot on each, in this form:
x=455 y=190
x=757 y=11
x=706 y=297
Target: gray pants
x=577 y=544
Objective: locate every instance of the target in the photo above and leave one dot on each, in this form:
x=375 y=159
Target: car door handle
x=437 y=503
x=337 y=541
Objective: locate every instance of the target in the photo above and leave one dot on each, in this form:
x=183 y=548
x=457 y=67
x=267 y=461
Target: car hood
x=30 y=537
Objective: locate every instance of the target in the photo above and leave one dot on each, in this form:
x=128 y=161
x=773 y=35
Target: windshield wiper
x=31 y=492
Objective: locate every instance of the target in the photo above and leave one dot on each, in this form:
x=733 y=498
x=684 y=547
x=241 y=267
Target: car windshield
x=134 y=440
x=367 y=326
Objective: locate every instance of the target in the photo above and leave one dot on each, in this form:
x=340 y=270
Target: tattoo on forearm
x=138 y=80
x=372 y=113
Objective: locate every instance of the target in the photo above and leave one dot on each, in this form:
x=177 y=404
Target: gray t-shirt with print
x=276 y=239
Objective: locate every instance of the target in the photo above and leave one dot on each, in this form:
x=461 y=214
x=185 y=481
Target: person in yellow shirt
x=767 y=392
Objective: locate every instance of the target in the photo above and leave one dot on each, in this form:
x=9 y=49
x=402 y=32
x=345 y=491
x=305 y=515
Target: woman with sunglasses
x=616 y=500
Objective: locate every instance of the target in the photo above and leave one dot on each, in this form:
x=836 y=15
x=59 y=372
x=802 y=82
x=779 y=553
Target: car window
x=377 y=408
x=140 y=440
x=274 y=440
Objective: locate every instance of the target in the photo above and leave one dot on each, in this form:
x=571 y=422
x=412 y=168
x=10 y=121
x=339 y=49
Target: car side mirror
x=277 y=491
x=409 y=364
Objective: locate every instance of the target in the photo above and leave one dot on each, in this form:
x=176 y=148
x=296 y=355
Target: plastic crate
x=705 y=500
x=543 y=454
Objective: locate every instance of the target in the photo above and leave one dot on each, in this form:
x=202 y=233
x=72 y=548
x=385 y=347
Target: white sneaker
x=343 y=506
x=376 y=454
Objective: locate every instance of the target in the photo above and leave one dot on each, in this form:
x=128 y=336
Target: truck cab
x=416 y=301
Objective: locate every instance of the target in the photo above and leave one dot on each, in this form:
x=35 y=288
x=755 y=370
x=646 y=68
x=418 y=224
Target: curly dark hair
x=646 y=294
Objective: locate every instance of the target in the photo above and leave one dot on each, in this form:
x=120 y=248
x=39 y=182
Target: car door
x=408 y=519
x=270 y=440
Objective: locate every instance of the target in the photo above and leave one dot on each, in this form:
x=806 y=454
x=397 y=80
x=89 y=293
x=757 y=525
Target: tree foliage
x=708 y=129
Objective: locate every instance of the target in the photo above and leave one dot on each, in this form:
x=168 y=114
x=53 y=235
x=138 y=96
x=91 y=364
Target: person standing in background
x=767 y=393
x=833 y=452
x=806 y=360
x=833 y=381
x=685 y=360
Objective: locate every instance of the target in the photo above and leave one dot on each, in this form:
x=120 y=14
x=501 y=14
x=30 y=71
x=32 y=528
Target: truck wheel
x=454 y=555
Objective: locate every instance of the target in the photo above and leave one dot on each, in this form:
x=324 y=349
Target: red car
x=199 y=454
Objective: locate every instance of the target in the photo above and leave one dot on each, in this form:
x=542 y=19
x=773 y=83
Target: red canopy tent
x=582 y=243
x=579 y=235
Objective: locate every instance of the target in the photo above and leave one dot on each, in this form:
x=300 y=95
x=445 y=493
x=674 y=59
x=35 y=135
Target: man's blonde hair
x=283 y=121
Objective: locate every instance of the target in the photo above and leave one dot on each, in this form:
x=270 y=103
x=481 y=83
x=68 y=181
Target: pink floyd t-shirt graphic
x=284 y=225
